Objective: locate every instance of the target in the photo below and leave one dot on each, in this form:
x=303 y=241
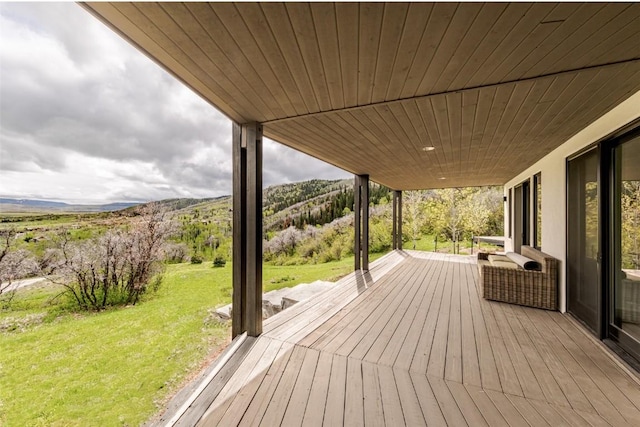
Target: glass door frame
x=601 y=317
x=521 y=215
x=612 y=249
x=609 y=244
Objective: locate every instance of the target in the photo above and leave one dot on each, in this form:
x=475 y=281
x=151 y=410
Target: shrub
x=196 y=259
x=14 y=264
x=219 y=261
x=176 y=253
x=116 y=268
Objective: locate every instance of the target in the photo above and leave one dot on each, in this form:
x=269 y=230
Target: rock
x=269 y=309
x=275 y=301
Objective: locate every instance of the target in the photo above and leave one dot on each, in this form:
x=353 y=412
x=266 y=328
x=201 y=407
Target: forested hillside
x=305 y=222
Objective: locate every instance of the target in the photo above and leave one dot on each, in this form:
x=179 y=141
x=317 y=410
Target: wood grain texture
x=417 y=345
x=366 y=86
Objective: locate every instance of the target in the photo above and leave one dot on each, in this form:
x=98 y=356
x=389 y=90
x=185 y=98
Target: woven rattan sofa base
x=518 y=286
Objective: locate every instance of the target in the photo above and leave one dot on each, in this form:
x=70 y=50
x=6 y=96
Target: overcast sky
x=86 y=118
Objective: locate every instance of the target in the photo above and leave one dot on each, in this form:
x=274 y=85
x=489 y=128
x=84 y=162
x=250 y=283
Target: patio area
x=412 y=342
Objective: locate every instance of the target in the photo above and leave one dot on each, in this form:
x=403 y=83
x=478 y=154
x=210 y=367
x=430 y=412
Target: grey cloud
x=283 y=164
x=91 y=93
x=24 y=155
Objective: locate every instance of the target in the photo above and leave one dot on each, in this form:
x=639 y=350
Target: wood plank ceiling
x=367 y=86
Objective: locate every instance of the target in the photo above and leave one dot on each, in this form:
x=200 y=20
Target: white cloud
x=86 y=117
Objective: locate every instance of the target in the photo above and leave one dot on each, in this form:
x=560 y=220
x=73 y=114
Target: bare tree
x=14 y=264
x=284 y=242
x=117 y=267
x=176 y=252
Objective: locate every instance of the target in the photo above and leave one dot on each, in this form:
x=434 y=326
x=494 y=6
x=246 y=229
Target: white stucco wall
x=553 y=168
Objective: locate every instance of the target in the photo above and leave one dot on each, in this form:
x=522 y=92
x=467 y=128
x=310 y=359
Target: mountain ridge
x=279 y=201
x=38 y=205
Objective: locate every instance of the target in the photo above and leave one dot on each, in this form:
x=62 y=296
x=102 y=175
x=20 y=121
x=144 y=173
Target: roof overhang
x=368 y=86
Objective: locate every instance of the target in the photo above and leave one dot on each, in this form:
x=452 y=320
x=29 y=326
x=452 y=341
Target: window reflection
x=627 y=288
x=537 y=200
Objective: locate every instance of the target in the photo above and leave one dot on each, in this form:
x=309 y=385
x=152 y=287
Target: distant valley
x=30 y=205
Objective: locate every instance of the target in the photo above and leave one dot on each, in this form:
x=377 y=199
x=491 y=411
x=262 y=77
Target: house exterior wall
x=553 y=171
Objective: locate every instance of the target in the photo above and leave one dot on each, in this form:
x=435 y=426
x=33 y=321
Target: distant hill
x=313 y=202
x=175 y=205
x=30 y=205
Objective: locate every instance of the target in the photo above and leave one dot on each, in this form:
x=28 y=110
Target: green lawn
x=118 y=367
x=427 y=243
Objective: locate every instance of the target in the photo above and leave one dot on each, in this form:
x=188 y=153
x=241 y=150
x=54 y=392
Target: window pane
x=582 y=243
x=510 y=216
x=627 y=287
x=538 y=209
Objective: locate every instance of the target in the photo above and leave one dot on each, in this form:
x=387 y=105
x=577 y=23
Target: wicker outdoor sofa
x=532 y=288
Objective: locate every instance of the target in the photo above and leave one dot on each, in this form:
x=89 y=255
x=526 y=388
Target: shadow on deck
x=413 y=343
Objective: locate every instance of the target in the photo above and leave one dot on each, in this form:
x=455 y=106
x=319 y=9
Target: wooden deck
x=412 y=343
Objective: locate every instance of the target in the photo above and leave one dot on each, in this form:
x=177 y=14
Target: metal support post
x=247 y=229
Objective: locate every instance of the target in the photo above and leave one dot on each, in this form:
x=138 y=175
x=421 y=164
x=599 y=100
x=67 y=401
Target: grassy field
x=427 y=243
x=117 y=368
x=22 y=220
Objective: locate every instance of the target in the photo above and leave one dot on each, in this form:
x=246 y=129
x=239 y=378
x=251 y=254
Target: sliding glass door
x=625 y=244
x=583 y=238
x=521 y=216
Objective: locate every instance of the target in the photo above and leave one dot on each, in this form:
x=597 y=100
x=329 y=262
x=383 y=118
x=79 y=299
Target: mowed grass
x=118 y=368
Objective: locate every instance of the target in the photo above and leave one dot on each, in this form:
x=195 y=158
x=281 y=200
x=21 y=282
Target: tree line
x=447 y=217
x=118 y=265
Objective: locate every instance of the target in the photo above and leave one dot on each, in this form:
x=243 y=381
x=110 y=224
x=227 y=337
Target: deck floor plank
x=314 y=413
x=372 y=397
x=257 y=406
x=431 y=409
x=333 y=333
x=544 y=377
x=550 y=350
x=414 y=343
x=527 y=410
x=307 y=316
x=354 y=396
x=594 y=420
x=375 y=318
x=489 y=377
x=403 y=313
x=281 y=396
x=453 y=359
x=616 y=381
x=438 y=347
x=240 y=378
x=586 y=374
x=524 y=373
x=485 y=405
x=238 y=405
x=336 y=396
x=549 y=413
x=506 y=408
x=391 y=403
x=470 y=360
x=411 y=409
x=384 y=318
x=447 y=402
x=470 y=411
x=405 y=333
x=332 y=338
x=300 y=394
